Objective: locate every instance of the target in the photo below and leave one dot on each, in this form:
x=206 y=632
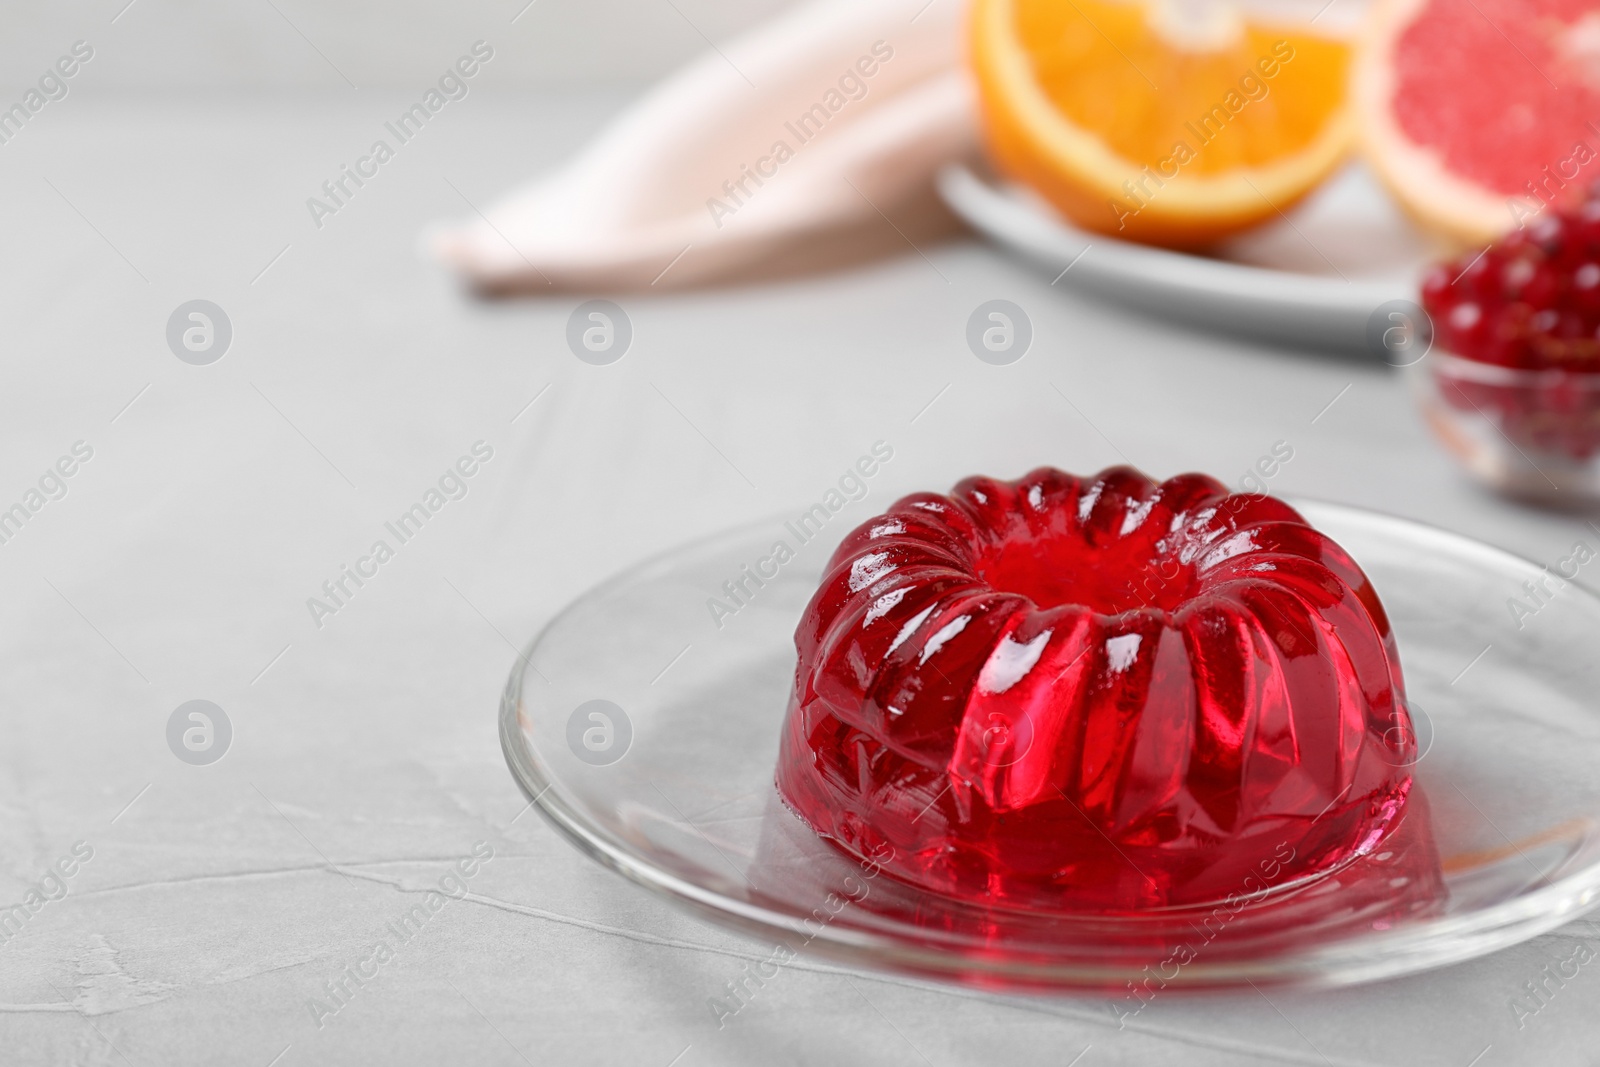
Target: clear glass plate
x=644 y=726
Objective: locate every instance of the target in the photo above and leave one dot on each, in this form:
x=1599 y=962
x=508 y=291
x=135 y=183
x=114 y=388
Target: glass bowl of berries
x=1512 y=383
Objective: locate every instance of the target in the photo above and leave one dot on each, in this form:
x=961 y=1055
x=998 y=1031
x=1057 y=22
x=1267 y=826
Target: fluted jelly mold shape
x=1096 y=694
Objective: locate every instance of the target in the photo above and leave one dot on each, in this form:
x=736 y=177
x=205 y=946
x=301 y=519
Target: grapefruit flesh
x=1479 y=115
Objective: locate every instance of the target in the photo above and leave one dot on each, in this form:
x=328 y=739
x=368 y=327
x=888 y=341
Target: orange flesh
x=1109 y=72
x=1171 y=135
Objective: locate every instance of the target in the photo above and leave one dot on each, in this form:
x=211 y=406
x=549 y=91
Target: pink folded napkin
x=810 y=141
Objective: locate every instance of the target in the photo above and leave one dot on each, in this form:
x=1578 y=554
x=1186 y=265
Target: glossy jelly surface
x=1096 y=694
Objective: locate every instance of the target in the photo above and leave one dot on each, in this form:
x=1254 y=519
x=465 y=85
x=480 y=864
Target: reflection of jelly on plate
x=1096 y=694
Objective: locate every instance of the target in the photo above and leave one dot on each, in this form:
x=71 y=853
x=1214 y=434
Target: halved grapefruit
x=1479 y=113
x=1173 y=122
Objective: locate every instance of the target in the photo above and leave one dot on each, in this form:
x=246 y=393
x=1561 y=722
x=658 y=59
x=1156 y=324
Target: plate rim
x=1299 y=308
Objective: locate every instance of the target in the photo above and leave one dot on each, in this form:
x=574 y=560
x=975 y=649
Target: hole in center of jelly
x=1106 y=579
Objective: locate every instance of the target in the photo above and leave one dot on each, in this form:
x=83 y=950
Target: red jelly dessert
x=1526 y=311
x=1096 y=694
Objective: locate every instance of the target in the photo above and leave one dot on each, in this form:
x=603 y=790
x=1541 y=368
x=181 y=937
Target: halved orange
x=1168 y=122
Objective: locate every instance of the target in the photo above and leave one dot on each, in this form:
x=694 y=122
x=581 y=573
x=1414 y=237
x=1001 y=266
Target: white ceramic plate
x=1312 y=279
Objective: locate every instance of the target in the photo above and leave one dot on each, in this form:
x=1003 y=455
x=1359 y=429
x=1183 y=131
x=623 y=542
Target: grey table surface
x=220 y=901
